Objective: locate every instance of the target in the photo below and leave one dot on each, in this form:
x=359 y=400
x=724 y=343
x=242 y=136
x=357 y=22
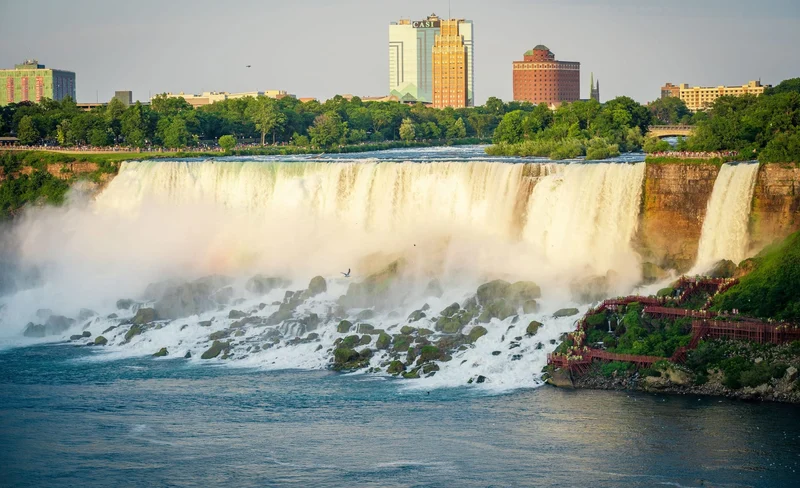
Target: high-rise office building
x=125 y=96
x=412 y=49
x=540 y=78
x=31 y=81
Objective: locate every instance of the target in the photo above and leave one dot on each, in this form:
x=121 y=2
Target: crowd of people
x=695 y=154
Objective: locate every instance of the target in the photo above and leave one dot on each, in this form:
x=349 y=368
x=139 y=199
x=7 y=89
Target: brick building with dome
x=540 y=78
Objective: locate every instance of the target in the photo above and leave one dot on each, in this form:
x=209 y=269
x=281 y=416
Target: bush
x=608 y=369
x=227 y=142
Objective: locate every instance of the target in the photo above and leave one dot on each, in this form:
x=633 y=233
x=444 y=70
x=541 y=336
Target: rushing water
x=68 y=420
x=271 y=414
x=725 y=228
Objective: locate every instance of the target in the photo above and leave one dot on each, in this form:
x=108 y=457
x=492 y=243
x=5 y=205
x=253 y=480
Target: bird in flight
x=347 y=275
x=247 y=66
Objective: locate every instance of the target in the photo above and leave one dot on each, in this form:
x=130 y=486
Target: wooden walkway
x=706 y=324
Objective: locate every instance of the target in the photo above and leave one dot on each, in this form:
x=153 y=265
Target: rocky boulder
x=161 y=353
x=100 y=341
x=533 y=328
x=261 y=284
x=722 y=269
x=375 y=290
x=476 y=333
x=144 y=316
x=215 y=350
x=492 y=291
x=317 y=285
x=566 y=312
x=55 y=325
x=189 y=298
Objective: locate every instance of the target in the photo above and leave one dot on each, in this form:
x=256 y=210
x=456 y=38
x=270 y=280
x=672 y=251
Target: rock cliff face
x=776 y=204
x=674 y=203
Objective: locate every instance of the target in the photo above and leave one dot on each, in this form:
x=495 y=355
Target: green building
x=31 y=81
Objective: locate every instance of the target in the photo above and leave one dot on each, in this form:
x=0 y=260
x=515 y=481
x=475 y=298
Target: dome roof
x=541 y=47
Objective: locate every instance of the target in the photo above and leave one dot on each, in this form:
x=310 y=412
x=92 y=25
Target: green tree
x=407 y=132
x=328 y=130
x=27 y=133
x=134 y=125
x=99 y=137
x=227 y=142
x=668 y=111
x=173 y=132
x=510 y=129
x=266 y=116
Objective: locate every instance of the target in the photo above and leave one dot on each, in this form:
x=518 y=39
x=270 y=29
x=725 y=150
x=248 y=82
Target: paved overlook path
x=705 y=324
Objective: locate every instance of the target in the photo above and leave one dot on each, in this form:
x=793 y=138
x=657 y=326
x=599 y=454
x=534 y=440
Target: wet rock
x=791 y=373
x=533 y=328
x=424 y=332
x=429 y=353
x=530 y=306
x=345 y=358
x=413 y=374
x=401 y=342
x=434 y=289
x=215 y=350
x=383 y=342
x=55 y=325
x=161 y=353
x=523 y=291
x=481 y=379
x=565 y=312
x=317 y=285
x=476 y=333
x=407 y=330
x=516 y=357
x=416 y=315
x=110 y=329
x=133 y=332
x=375 y=289
x=124 y=304
x=722 y=269
x=428 y=368
x=496 y=353
x=451 y=310
x=365 y=339
x=189 y=299
x=261 y=284
x=188 y=355
x=100 y=341
x=204 y=323
x=75 y=337
x=112 y=316
x=365 y=329
x=344 y=327
x=86 y=333
x=499 y=309
x=236 y=314
x=492 y=291
x=365 y=315
x=539 y=346
x=220 y=334
x=144 y=316
x=396 y=367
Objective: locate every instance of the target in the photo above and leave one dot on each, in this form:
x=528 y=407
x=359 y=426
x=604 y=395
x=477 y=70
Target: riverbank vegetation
x=174 y=124
x=583 y=128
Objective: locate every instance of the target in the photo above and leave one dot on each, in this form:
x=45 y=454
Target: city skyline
x=152 y=48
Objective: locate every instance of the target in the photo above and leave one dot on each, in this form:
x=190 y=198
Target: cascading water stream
x=462 y=223
x=725 y=228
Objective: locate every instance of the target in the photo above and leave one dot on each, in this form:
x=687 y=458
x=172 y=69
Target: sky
x=320 y=48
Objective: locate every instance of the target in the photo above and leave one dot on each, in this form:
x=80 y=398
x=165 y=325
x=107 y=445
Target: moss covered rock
x=344 y=327
x=476 y=333
x=100 y=341
x=215 y=350
x=133 y=332
x=498 y=309
x=533 y=328
x=416 y=315
x=365 y=339
x=396 y=367
x=523 y=291
x=144 y=316
x=384 y=341
x=565 y=312
x=406 y=330
x=161 y=353
x=429 y=353
x=492 y=291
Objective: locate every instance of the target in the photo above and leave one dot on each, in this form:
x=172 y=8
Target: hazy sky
x=323 y=47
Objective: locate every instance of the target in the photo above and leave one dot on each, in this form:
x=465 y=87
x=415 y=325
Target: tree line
x=173 y=123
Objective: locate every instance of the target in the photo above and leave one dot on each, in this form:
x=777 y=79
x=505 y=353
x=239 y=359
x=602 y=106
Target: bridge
x=670 y=131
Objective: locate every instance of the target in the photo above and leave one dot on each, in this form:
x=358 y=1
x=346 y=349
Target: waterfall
x=725 y=234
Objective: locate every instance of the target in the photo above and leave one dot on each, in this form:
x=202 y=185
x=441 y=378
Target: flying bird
x=247 y=66
x=346 y=275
